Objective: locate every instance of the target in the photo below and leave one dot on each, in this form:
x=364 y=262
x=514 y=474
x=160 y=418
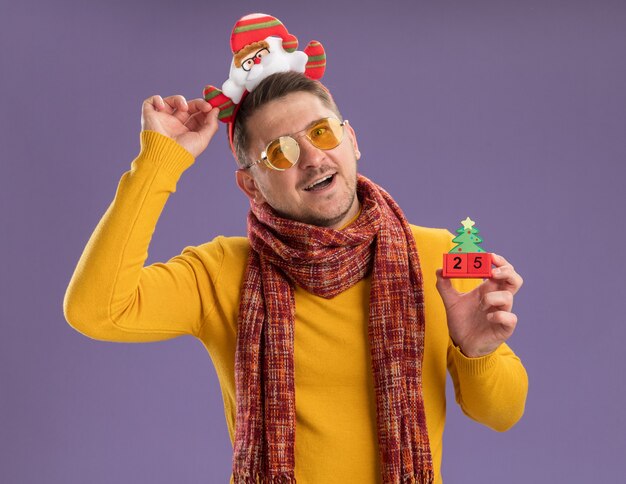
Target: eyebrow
x=311 y=124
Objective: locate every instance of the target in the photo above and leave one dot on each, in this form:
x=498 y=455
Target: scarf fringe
x=424 y=476
x=259 y=478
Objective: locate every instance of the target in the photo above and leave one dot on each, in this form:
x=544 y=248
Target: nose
x=257 y=60
x=310 y=156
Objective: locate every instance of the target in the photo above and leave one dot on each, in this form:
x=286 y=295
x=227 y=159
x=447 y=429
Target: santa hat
x=258 y=26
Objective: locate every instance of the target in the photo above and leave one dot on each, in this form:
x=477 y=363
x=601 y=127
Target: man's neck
x=349 y=222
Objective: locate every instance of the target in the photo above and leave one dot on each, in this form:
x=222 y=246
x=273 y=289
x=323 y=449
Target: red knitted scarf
x=326 y=262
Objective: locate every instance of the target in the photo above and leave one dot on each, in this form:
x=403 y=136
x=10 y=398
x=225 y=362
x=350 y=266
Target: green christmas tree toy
x=467 y=259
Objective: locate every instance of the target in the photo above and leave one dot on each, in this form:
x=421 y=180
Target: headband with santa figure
x=261 y=46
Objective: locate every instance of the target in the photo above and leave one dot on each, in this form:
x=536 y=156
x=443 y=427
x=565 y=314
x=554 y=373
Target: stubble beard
x=321 y=220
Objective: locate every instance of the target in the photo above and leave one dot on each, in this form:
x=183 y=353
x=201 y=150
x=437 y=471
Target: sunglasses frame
x=268 y=163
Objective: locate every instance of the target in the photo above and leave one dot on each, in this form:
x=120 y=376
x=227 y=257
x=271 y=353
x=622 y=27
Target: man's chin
x=326 y=220
x=319 y=220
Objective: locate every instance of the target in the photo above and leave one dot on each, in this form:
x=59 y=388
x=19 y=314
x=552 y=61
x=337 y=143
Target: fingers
x=502 y=300
x=498 y=305
x=211 y=123
x=200 y=113
x=504 y=318
x=153 y=101
x=199 y=105
x=446 y=290
x=193 y=114
x=204 y=122
x=168 y=104
x=176 y=102
x=505 y=272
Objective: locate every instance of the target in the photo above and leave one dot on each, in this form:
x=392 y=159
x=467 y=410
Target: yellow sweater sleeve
x=111 y=295
x=491 y=389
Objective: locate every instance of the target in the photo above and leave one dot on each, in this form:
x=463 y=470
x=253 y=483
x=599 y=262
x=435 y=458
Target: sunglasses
x=284 y=152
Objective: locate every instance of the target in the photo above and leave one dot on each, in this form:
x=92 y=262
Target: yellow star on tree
x=468 y=223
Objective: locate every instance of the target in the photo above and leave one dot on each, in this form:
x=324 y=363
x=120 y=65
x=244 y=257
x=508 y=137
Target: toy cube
x=479 y=264
x=454 y=265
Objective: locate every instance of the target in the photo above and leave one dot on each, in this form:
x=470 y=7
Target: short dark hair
x=269 y=89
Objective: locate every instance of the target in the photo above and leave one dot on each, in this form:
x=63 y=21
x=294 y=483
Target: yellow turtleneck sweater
x=113 y=297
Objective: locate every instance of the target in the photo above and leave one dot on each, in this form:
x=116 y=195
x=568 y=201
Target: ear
x=248 y=185
x=352 y=135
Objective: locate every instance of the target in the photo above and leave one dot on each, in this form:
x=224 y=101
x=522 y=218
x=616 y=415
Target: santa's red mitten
x=216 y=98
x=316 y=64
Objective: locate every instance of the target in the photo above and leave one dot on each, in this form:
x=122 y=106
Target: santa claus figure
x=262 y=46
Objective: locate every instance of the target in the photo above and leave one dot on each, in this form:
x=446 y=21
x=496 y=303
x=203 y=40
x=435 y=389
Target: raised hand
x=482 y=319
x=191 y=124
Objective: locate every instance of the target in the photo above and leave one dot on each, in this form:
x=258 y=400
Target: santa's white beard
x=271 y=64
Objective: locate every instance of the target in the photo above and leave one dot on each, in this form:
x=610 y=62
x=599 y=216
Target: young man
x=328 y=336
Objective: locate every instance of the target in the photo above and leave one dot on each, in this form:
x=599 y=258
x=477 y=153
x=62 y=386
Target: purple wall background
x=511 y=112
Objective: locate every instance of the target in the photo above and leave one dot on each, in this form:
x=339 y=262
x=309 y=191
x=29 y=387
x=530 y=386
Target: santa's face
x=248 y=63
x=295 y=193
x=262 y=63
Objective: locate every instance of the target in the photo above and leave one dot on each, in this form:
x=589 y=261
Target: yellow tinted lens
x=326 y=134
x=283 y=153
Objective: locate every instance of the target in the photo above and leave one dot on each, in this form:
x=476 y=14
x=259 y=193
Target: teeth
x=318 y=182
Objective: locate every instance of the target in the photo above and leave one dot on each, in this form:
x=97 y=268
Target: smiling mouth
x=321 y=183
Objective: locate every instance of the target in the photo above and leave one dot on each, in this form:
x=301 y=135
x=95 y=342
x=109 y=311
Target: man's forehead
x=288 y=115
